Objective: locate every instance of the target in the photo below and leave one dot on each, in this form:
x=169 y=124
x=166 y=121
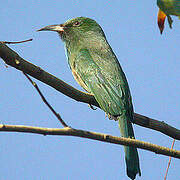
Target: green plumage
x=96 y=68
x=170 y=7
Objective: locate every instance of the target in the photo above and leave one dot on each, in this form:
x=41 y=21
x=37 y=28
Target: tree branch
x=92 y=135
x=11 y=58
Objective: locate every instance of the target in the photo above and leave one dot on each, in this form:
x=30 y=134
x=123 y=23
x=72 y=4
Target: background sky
x=149 y=60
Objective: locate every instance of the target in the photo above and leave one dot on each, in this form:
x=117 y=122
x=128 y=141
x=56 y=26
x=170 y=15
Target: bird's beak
x=57 y=28
x=161 y=19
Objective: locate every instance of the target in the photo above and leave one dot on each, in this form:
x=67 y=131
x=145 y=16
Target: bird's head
x=74 y=29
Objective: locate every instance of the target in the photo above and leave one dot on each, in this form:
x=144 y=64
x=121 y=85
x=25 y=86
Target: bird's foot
x=90 y=105
x=111 y=117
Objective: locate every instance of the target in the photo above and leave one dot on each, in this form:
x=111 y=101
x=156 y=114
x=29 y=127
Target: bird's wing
x=109 y=91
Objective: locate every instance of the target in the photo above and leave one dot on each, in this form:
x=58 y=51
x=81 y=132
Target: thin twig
x=165 y=177
x=16 y=42
x=45 y=101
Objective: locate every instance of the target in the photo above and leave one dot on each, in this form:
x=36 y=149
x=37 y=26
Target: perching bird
x=96 y=68
x=167 y=8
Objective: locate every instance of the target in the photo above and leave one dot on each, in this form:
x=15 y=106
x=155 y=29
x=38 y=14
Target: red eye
x=77 y=23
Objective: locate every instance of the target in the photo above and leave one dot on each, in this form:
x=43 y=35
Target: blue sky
x=149 y=60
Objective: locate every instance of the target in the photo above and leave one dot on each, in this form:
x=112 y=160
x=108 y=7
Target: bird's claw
x=90 y=105
x=111 y=117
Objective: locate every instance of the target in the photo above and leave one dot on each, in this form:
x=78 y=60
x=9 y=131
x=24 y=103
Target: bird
x=96 y=68
x=167 y=8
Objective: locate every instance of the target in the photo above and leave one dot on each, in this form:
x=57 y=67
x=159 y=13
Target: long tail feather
x=131 y=154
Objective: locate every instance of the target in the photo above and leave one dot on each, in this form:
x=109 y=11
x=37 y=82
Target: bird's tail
x=131 y=154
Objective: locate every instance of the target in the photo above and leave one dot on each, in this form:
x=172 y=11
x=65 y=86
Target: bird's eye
x=77 y=23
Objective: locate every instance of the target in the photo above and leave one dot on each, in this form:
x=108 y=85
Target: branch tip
x=16 y=42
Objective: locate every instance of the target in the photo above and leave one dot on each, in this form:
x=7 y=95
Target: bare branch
x=13 y=59
x=160 y=126
x=92 y=135
x=45 y=101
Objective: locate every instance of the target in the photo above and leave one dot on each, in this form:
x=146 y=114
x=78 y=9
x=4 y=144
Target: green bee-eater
x=167 y=8
x=96 y=68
